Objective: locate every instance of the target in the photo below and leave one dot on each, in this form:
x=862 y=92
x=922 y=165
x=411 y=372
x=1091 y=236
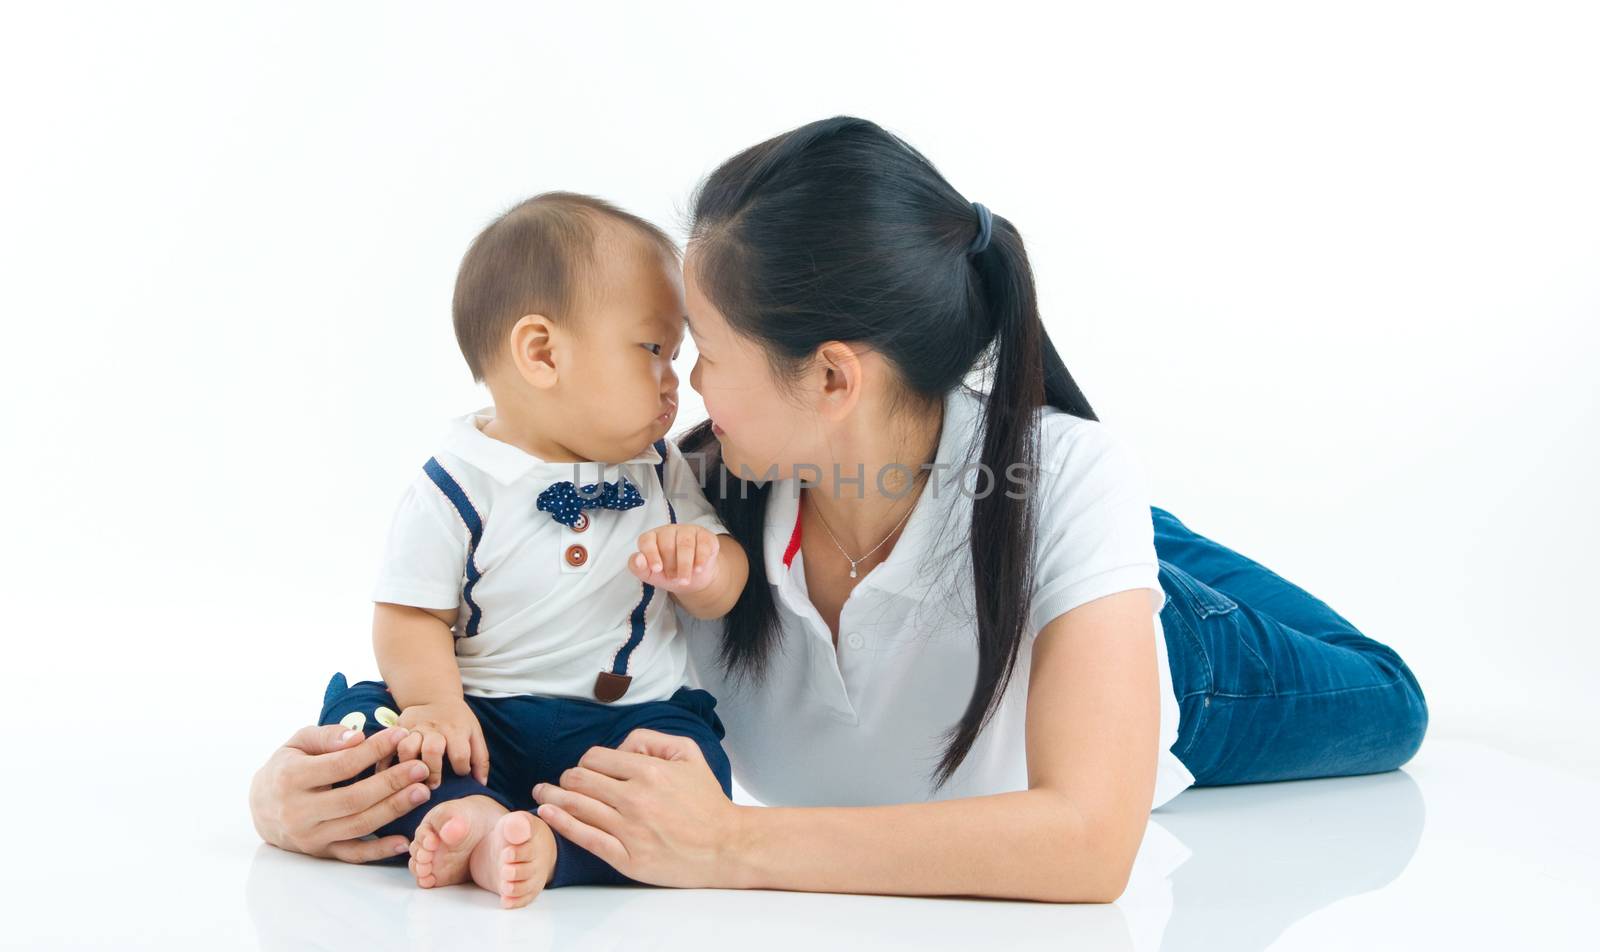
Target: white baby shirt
x=542 y=608
x=862 y=723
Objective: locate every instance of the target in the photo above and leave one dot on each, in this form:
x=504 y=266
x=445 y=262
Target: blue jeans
x=1272 y=684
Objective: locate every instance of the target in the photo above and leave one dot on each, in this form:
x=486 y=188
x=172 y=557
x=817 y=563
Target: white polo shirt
x=861 y=724
x=554 y=604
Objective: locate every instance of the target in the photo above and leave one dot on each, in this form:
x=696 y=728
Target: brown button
x=582 y=523
x=577 y=555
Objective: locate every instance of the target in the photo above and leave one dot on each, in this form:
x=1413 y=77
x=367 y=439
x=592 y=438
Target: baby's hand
x=445 y=729
x=678 y=558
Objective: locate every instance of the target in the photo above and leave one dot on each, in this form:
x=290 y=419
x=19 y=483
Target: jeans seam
x=1199 y=649
x=1299 y=694
x=1211 y=684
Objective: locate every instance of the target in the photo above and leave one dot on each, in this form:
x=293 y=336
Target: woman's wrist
x=737 y=862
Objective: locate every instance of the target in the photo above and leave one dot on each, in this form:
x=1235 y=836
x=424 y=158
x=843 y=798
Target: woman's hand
x=651 y=808
x=295 y=807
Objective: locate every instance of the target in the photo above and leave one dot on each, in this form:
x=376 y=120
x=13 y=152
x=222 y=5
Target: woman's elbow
x=1097 y=864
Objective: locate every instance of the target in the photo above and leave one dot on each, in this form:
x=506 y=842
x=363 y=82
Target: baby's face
x=618 y=388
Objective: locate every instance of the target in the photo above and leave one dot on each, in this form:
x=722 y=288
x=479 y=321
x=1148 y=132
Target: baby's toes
x=524 y=867
x=514 y=894
x=423 y=846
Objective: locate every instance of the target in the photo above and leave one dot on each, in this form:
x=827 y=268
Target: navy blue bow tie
x=565 y=504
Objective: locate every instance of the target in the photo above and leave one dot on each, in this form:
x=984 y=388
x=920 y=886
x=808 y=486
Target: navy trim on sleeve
x=458 y=497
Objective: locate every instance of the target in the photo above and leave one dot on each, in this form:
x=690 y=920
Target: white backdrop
x=1333 y=272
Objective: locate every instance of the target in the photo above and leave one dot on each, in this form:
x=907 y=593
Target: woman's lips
x=717 y=430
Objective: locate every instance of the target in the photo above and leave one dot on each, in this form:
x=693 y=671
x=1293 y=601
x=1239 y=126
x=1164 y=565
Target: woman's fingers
x=340 y=802
x=598 y=842
x=623 y=764
x=365 y=851
x=642 y=740
x=606 y=790
x=324 y=739
x=392 y=807
x=321 y=770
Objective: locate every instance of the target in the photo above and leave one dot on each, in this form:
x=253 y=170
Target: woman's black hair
x=839 y=230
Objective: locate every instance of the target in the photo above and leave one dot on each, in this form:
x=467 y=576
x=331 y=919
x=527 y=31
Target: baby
x=521 y=613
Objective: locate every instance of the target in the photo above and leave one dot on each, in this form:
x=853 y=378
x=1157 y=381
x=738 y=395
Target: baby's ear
x=534 y=342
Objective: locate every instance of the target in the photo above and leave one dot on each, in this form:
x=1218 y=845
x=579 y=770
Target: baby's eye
x=676 y=353
x=652 y=348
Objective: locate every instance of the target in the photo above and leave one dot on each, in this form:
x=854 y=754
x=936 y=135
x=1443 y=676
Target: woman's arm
x=1092 y=727
x=1092 y=734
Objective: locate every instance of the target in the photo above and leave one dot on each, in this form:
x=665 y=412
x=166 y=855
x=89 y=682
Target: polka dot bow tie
x=565 y=504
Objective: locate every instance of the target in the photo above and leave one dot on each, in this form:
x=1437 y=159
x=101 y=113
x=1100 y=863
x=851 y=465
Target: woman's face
x=766 y=426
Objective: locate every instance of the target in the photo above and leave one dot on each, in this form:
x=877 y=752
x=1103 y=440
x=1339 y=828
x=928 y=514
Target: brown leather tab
x=608 y=687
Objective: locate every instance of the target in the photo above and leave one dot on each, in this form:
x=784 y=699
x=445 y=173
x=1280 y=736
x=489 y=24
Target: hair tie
x=985 y=225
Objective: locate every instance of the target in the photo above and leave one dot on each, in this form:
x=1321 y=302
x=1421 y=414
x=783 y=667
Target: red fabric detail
x=794 y=541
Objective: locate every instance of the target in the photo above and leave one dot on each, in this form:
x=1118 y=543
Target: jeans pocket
x=1206 y=600
x=1224 y=634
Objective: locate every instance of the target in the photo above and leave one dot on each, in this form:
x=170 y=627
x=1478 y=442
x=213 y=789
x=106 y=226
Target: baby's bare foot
x=516 y=859
x=441 y=849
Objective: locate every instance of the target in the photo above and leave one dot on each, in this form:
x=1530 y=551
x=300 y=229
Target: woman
x=971 y=657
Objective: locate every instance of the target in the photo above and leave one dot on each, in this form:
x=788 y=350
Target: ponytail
x=1027 y=374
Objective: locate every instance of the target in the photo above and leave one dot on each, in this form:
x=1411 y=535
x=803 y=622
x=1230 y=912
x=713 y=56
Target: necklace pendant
x=852 y=570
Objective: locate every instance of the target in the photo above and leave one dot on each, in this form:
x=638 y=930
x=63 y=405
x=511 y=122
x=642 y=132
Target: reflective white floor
x=1469 y=846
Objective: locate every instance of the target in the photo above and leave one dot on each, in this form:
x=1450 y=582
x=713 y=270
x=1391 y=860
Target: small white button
x=856 y=640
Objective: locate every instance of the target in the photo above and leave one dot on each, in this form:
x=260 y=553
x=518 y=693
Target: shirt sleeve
x=1095 y=535
x=689 y=502
x=425 y=559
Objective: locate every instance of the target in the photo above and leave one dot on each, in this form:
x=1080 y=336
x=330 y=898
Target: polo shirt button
x=582 y=523
x=856 y=640
x=577 y=555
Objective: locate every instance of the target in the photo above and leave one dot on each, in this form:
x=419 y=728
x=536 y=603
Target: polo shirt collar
x=506 y=463
x=907 y=570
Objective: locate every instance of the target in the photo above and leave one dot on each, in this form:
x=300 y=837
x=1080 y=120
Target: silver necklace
x=855 y=562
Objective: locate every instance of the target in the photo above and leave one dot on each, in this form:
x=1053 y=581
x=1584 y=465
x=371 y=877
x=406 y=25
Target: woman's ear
x=841 y=378
x=533 y=342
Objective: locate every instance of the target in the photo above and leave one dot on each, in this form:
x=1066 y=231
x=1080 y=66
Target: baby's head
x=571 y=311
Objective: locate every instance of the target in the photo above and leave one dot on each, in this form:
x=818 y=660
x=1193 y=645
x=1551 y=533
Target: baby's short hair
x=532 y=260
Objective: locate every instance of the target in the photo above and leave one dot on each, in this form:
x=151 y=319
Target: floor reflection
x=1225 y=867
x=1267 y=855
x=296 y=902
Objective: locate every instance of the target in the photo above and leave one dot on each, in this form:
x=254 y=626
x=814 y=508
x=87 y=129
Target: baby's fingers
x=480 y=757
x=686 y=545
x=433 y=748
x=410 y=747
x=705 y=549
x=651 y=551
x=460 y=752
